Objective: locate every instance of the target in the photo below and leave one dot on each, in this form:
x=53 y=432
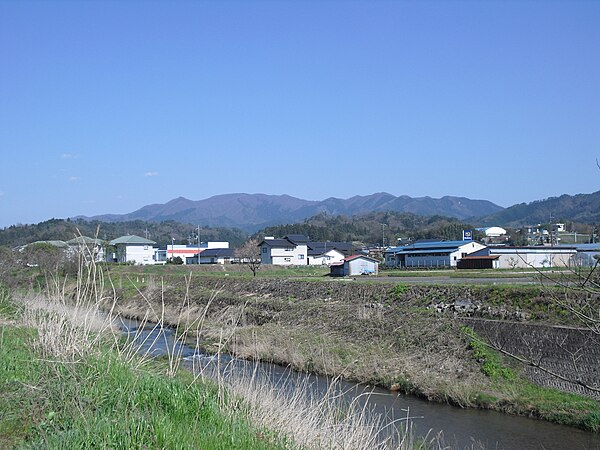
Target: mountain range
x=583 y=208
x=254 y=211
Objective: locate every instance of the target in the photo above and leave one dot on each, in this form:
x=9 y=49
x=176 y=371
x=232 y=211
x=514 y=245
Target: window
x=287 y=259
x=264 y=249
x=300 y=256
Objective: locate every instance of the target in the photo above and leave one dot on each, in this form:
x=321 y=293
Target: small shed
x=355 y=265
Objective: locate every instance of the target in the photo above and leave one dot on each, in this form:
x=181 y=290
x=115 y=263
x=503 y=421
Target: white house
x=327 y=253
x=322 y=257
x=430 y=254
x=355 y=265
x=134 y=249
x=291 y=250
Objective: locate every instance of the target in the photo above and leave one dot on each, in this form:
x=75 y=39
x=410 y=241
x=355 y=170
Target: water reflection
x=461 y=427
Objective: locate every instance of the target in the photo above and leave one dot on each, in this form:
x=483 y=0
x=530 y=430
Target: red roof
x=352 y=257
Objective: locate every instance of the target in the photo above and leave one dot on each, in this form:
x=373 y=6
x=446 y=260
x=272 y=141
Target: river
x=460 y=427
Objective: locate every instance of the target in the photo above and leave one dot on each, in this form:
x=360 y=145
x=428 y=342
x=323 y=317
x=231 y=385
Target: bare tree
x=249 y=254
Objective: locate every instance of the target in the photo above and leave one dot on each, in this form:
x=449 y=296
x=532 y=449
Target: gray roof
x=278 y=243
x=584 y=247
x=217 y=252
x=56 y=243
x=319 y=248
x=84 y=240
x=297 y=238
x=132 y=239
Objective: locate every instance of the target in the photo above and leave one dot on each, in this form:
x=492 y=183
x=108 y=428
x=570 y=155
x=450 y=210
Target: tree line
x=161 y=232
x=373 y=228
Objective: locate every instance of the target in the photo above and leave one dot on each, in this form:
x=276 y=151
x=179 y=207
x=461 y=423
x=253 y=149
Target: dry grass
x=317 y=421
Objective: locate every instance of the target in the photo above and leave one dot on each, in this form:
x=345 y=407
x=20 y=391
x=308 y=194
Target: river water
x=460 y=427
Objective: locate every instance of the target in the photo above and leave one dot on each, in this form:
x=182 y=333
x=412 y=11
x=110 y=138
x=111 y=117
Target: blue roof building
x=430 y=254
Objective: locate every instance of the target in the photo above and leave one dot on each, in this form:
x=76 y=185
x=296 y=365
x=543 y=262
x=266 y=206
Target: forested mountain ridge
x=337 y=225
x=584 y=208
x=254 y=211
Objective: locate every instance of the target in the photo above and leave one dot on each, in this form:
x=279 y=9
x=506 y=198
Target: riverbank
x=401 y=337
x=54 y=399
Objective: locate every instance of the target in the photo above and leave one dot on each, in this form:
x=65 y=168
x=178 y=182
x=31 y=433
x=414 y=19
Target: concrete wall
x=527 y=258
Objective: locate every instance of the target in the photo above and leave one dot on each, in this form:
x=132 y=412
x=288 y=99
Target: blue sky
x=106 y=106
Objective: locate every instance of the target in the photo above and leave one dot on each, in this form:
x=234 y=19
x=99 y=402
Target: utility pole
x=198 y=236
x=382 y=235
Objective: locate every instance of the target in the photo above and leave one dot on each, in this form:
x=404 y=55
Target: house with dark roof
x=296 y=249
x=430 y=254
x=355 y=265
x=216 y=256
x=134 y=249
x=291 y=250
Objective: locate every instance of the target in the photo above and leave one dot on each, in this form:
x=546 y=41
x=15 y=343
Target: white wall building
x=134 y=249
x=528 y=257
x=289 y=251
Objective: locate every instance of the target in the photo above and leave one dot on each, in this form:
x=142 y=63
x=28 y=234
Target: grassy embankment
x=55 y=401
x=369 y=332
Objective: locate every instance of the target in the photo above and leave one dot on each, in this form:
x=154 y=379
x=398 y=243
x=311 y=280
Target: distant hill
x=254 y=211
x=584 y=208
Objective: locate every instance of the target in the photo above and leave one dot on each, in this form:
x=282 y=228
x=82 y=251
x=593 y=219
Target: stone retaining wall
x=569 y=352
